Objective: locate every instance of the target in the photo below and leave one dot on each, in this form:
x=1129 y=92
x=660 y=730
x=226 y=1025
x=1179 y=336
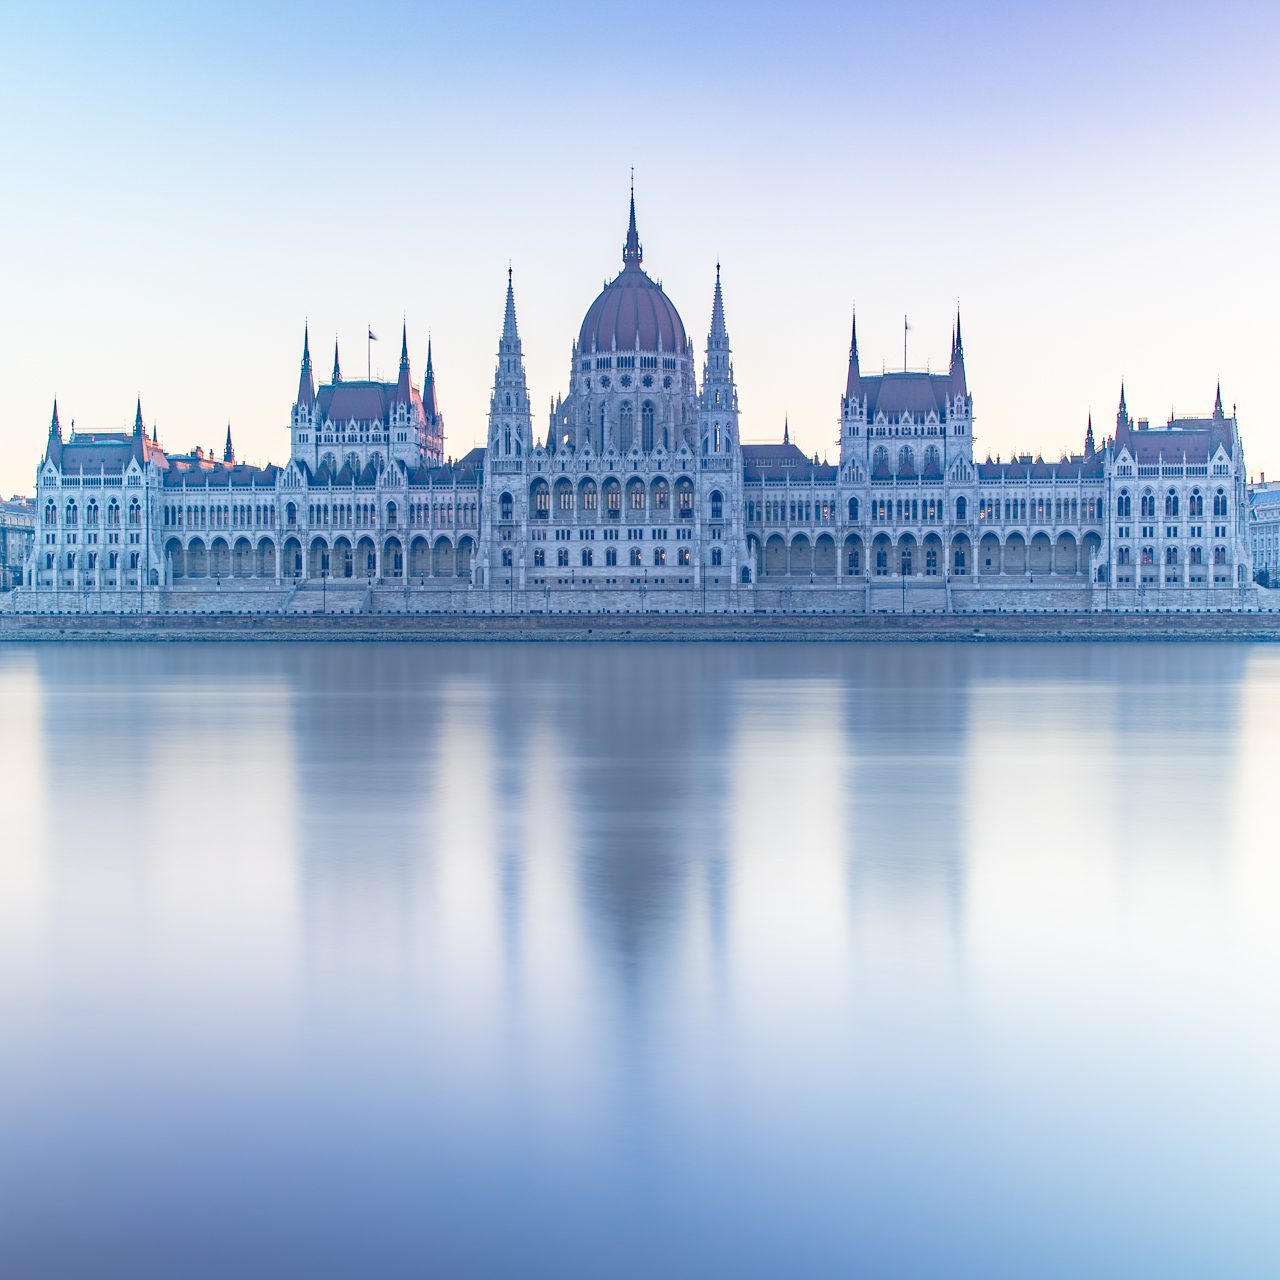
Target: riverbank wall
x=584 y=627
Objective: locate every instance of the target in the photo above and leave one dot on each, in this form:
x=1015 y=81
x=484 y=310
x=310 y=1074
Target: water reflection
x=746 y=953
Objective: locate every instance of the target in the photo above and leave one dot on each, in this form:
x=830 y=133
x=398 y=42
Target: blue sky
x=1096 y=184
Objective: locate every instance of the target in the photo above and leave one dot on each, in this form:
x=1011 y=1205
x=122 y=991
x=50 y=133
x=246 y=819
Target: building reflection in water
x=643 y=929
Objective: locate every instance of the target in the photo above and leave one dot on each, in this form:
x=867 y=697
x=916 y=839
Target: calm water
x=640 y=960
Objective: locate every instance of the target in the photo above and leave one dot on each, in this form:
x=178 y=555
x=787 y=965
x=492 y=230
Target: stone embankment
x=648 y=627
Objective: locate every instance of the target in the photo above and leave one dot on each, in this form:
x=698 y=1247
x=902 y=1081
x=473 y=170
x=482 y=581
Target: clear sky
x=1096 y=183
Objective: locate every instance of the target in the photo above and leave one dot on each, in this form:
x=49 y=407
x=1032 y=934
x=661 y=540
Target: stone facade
x=1264 y=531
x=17 y=538
x=641 y=496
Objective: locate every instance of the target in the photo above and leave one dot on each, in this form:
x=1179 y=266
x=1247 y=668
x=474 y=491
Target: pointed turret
x=959 y=383
x=1218 y=414
x=306 y=383
x=155 y=436
x=430 y=405
x=53 y=450
x=228 y=450
x=1122 y=414
x=404 y=385
x=786 y=430
x=718 y=406
x=139 y=431
x=853 y=383
x=1088 y=439
x=632 y=255
x=510 y=415
x=337 y=367
x=718 y=330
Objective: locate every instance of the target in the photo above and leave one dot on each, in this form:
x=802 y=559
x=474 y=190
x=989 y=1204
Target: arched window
x=1148 y=505
x=1171 y=505
x=1220 y=503
x=505 y=504
x=1195 y=504
x=717 y=505
x=646 y=426
x=391 y=515
x=880 y=459
x=72 y=514
x=51 y=514
x=1124 y=505
x=962 y=509
x=91 y=515
x=626 y=426
x=113 y=514
x=853 y=510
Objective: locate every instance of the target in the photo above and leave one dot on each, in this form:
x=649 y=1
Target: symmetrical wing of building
x=639 y=494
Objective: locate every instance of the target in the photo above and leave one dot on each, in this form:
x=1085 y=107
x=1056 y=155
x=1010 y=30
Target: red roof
x=632 y=313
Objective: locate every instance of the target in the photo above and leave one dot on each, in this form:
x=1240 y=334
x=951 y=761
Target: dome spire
x=632 y=255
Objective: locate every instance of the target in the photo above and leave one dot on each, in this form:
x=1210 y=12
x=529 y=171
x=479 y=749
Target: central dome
x=632 y=312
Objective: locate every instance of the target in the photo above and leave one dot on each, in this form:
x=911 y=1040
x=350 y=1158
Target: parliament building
x=639 y=494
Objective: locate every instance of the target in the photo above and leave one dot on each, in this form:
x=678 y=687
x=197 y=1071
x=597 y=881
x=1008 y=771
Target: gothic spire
x=853 y=383
x=1217 y=404
x=786 y=430
x=337 y=368
x=959 y=383
x=510 y=331
x=430 y=405
x=1089 y=446
x=53 y=450
x=138 y=429
x=228 y=451
x=1122 y=414
x=404 y=386
x=719 y=333
x=632 y=256
x=306 y=384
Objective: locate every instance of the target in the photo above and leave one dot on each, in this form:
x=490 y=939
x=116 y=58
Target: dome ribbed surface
x=632 y=312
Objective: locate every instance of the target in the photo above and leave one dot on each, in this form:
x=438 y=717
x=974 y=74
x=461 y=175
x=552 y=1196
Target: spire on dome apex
x=632 y=255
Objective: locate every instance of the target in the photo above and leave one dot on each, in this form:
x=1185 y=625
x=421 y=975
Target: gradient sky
x=1096 y=183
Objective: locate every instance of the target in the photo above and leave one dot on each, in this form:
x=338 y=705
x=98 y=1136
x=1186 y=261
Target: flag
x=373 y=337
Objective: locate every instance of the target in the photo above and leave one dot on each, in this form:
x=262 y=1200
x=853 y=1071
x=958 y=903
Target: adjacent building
x=639 y=494
x=17 y=538
x=1264 y=531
